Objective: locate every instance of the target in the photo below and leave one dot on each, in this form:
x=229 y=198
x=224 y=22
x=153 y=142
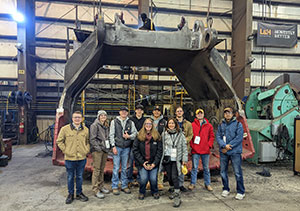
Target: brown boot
x=209 y=188
x=191 y=187
x=160 y=186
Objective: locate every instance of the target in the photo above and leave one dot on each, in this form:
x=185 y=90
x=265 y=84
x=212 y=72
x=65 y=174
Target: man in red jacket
x=201 y=144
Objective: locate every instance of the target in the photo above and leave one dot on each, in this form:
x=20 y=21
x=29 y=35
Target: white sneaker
x=225 y=193
x=239 y=196
x=100 y=195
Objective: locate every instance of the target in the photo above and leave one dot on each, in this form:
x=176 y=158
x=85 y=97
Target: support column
x=143 y=90
x=143 y=7
x=26 y=66
x=241 y=46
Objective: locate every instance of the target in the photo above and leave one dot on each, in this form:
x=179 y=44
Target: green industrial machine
x=270 y=116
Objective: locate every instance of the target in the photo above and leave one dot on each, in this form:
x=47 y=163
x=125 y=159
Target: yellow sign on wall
x=22 y=72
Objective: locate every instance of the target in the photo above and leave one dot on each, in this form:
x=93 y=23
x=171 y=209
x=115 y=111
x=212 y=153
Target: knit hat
x=101 y=112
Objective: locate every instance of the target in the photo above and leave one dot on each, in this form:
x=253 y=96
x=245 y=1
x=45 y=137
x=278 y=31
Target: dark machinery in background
x=270 y=115
x=190 y=54
x=5 y=147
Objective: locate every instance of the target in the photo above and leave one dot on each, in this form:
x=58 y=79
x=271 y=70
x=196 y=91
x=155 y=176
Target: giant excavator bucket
x=191 y=55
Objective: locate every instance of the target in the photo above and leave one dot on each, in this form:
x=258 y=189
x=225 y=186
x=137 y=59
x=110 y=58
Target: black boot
x=70 y=199
x=82 y=197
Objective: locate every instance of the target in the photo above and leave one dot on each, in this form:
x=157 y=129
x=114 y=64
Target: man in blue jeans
x=230 y=138
x=202 y=142
x=121 y=135
x=73 y=140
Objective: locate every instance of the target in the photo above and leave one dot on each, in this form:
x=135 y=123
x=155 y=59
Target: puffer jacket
x=207 y=137
x=233 y=130
x=98 y=134
x=181 y=149
x=74 y=143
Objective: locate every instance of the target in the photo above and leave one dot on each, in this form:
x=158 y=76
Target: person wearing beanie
x=99 y=141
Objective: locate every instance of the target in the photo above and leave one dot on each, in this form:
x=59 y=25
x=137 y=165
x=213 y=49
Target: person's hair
x=77 y=112
x=176 y=124
x=178 y=108
x=105 y=123
x=142 y=133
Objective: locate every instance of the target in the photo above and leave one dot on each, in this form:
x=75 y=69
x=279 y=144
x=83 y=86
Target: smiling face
x=148 y=125
x=156 y=113
x=102 y=118
x=123 y=114
x=139 y=112
x=77 y=118
x=171 y=124
x=200 y=116
x=228 y=115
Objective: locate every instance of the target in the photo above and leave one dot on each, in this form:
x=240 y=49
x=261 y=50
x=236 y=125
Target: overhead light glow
x=18 y=17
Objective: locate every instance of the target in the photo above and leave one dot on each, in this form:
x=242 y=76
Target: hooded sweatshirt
x=159 y=123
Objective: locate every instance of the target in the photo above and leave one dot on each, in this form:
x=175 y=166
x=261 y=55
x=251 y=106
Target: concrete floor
x=33 y=183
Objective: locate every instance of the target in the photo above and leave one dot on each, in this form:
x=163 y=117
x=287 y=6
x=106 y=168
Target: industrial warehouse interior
x=149 y=104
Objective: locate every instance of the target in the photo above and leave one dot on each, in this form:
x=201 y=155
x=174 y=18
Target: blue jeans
x=236 y=161
x=146 y=176
x=75 y=168
x=205 y=164
x=130 y=167
x=121 y=157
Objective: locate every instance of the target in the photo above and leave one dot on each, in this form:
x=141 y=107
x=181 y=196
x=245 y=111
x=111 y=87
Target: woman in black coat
x=147 y=151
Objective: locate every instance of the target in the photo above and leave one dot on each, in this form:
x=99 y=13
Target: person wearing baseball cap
x=159 y=123
x=158 y=118
x=121 y=135
x=230 y=139
x=138 y=120
x=201 y=144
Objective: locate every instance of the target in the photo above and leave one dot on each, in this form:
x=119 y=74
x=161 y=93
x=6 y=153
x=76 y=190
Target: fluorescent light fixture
x=18 y=17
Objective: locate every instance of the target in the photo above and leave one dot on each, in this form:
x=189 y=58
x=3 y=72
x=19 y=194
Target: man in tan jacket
x=73 y=140
x=187 y=129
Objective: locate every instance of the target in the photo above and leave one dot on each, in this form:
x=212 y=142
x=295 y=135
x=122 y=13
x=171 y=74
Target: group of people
x=154 y=146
